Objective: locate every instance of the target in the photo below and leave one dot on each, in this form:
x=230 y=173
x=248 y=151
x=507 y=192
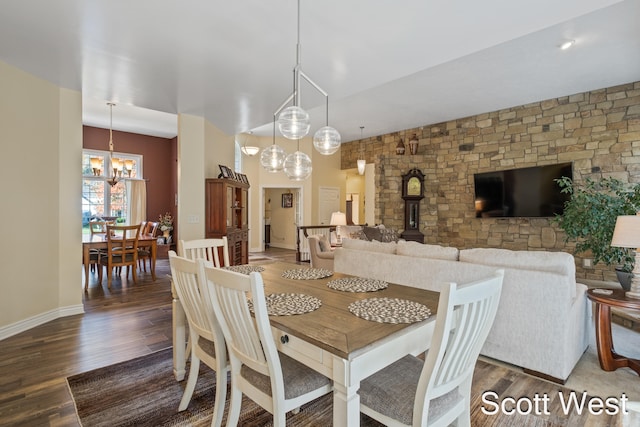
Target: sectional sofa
x=542 y=323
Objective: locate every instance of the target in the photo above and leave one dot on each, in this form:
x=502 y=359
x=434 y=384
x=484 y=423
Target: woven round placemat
x=357 y=284
x=290 y=304
x=244 y=269
x=390 y=310
x=307 y=273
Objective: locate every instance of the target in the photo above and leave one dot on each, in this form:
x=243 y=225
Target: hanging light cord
x=111 y=104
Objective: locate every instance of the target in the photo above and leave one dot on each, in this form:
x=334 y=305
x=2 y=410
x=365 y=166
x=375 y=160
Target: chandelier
x=294 y=123
x=117 y=165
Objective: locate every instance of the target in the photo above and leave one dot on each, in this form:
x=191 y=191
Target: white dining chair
x=206 y=249
x=437 y=392
x=205 y=336
x=273 y=380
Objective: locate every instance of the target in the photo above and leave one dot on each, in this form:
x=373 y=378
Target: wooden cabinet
x=227 y=214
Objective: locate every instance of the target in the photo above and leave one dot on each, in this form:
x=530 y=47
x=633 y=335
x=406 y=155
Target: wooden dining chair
x=122 y=250
x=439 y=387
x=206 y=338
x=273 y=380
x=147 y=228
x=208 y=249
x=96 y=228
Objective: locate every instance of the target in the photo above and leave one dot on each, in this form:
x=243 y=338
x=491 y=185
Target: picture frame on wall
x=287 y=200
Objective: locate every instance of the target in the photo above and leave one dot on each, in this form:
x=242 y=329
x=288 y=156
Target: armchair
x=320 y=252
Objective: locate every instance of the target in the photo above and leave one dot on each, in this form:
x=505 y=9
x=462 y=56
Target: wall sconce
x=400 y=148
x=413 y=144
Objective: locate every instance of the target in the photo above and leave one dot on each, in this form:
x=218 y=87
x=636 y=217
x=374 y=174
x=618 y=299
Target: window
x=237 y=158
x=99 y=198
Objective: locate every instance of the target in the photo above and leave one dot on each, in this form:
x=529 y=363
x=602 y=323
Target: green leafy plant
x=589 y=217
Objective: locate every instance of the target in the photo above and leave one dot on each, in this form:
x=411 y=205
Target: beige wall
x=191 y=175
x=40 y=260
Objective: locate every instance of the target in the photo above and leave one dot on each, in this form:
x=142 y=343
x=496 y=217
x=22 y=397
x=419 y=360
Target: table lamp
x=627 y=235
x=338 y=219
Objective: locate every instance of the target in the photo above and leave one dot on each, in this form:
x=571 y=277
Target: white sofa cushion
x=560 y=263
x=370 y=246
x=552 y=262
x=419 y=250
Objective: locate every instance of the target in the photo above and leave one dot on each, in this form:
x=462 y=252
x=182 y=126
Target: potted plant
x=590 y=215
x=166 y=225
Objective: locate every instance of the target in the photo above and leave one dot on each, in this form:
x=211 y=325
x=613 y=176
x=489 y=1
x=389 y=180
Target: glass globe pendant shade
x=297 y=166
x=294 y=123
x=361 y=164
x=327 y=140
x=272 y=158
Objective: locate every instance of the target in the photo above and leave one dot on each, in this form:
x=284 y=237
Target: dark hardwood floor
x=121 y=323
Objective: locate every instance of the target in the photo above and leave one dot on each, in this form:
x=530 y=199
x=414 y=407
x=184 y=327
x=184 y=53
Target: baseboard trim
x=544 y=376
x=37 y=320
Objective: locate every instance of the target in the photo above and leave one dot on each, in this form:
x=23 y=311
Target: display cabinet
x=226 y=214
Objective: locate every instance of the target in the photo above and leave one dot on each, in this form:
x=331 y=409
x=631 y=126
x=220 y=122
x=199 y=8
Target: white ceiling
x=387 y=65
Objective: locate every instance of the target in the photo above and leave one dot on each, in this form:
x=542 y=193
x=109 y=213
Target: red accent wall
x=159 y=164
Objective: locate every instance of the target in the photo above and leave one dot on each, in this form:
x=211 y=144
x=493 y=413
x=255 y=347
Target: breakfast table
x=99 y=241
x=349 y=327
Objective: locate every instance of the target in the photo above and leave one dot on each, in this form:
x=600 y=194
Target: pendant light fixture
x=272 y=157
x=294 y=122
x=361 y=161
x=297 y=165
x=116 y=163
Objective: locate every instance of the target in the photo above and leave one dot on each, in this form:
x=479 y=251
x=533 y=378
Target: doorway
x=281 y=214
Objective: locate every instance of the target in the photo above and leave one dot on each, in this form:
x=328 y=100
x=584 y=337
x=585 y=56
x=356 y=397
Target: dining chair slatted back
x=206 y=338
x=122 y=250
x=147 y=228
x=273 y=380
x=208 y=249
x=441 y=386
x=97 y=227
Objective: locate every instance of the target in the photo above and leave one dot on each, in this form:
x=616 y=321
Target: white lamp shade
x=297 y=166
x=249 y=150
x=272 y=158
x=361 y=164
x=294 y=122
x=627 y=232
x=338 y=218
x=327 y=140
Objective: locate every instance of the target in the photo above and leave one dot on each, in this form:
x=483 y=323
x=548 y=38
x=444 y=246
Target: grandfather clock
x=412 y=193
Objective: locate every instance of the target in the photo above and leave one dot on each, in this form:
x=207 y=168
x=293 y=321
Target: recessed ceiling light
x=566 y=45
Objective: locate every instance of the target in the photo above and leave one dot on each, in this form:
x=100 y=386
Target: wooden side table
x=609 y=359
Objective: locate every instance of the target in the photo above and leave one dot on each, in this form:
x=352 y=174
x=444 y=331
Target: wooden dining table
x=99 y=241
x=332 y=340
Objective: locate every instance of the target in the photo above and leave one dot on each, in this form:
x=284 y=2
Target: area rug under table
x=144 y=392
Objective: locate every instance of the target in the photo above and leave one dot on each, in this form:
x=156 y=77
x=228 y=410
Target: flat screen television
x=525 y=192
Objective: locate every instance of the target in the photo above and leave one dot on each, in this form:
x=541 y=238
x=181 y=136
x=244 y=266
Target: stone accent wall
x=599 y=131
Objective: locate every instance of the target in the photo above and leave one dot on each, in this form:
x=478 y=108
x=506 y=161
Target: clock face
x=414 y=187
